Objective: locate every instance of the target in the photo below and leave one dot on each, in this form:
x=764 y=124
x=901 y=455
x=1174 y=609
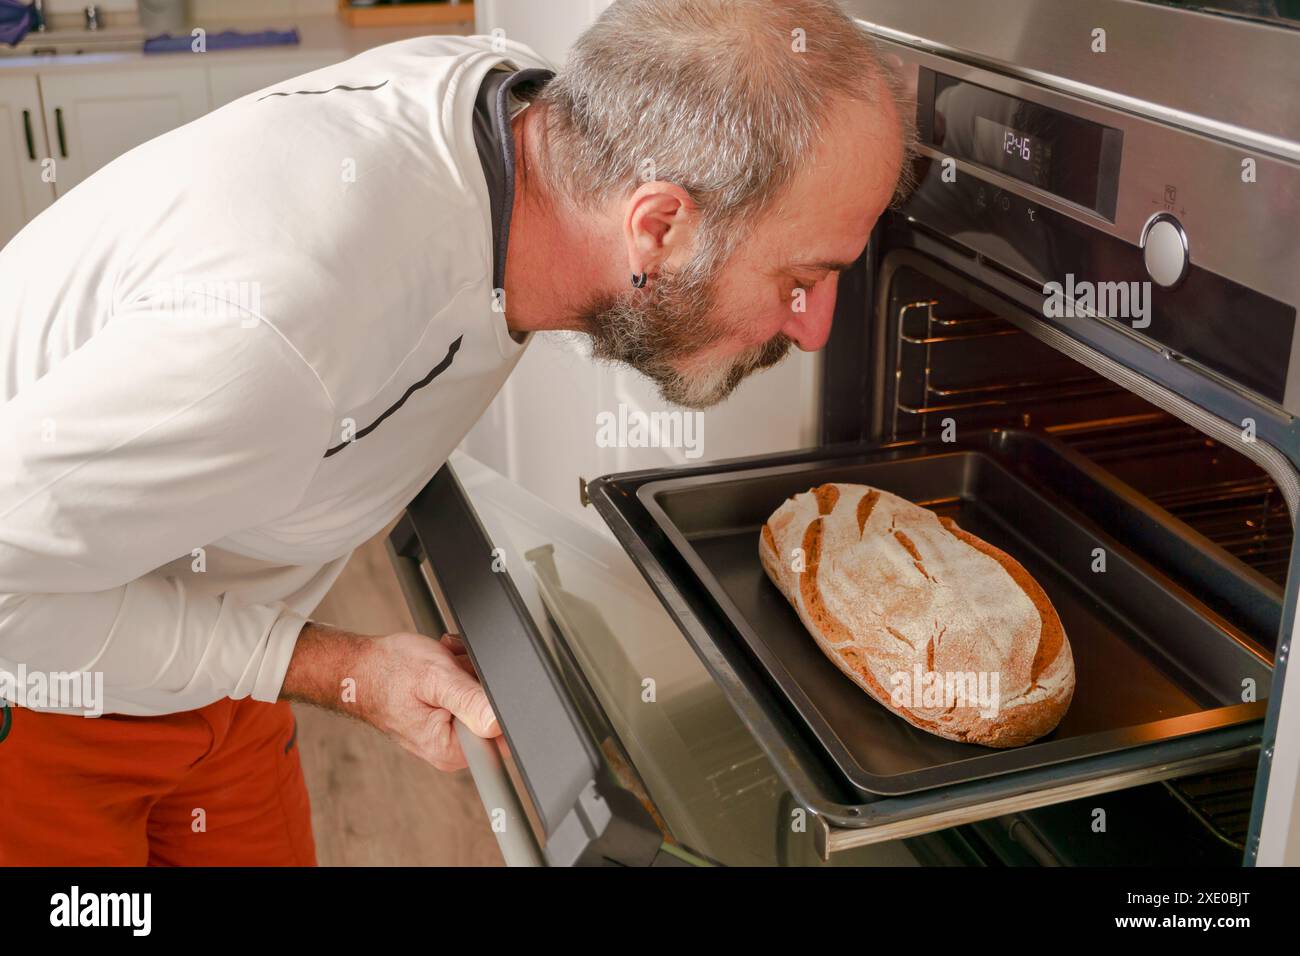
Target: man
x=238 y=351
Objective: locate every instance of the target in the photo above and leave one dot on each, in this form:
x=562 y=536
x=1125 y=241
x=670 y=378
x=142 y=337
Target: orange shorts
x=218 y=786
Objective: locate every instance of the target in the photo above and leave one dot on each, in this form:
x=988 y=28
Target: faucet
x=38 y=11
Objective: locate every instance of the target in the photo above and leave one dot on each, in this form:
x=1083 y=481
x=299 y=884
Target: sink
x=73 y=42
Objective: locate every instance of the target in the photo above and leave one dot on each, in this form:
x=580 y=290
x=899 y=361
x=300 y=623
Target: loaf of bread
x=944 y=629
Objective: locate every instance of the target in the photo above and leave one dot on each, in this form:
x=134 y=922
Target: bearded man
x=237 y=352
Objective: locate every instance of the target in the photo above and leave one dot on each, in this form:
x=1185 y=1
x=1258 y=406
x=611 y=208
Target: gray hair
x=715 y=94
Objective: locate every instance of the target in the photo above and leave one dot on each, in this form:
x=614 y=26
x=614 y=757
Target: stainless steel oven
x=1078 y=335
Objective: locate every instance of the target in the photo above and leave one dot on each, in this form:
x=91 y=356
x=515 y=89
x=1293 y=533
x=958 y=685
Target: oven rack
x=1243 y=513
x=924 y=336
x=1221 y=801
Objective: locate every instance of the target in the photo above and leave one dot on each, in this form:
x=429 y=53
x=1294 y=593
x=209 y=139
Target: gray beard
x=654 y=330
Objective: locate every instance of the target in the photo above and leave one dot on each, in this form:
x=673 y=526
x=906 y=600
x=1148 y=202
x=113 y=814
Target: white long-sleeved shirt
x=204 y=349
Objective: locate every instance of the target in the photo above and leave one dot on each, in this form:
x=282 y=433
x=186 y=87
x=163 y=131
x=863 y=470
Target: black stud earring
x=639 y=281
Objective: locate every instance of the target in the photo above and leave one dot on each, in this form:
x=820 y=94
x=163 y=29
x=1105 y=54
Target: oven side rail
x=453 y=583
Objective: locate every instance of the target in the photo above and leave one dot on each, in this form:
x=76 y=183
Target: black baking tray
x=1153 y=662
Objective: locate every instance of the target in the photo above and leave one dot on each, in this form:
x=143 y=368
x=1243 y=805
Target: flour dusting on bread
x=946 y=630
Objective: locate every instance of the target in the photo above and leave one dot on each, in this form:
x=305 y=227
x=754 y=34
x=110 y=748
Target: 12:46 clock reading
x=1013 y=151
x=1017 y=145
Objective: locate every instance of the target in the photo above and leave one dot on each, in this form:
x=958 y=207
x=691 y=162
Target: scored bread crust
x=883 y=586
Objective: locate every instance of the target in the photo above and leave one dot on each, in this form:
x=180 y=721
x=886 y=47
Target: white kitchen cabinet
x=22 y=148
x=94 y=117
x=227 y=82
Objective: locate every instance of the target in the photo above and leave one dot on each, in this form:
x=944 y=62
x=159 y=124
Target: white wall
x=542 y=429
x=548 y=26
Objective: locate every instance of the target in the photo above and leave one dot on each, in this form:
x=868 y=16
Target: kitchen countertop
x=319 y=36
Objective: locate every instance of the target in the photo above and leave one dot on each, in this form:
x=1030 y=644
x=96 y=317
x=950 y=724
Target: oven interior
x=950 y=362
x=1188 y=520
x=950 y=359
x=1200 y=537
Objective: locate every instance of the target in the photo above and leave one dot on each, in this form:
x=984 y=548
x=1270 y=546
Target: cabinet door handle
x=27 y=129
x=63 y=140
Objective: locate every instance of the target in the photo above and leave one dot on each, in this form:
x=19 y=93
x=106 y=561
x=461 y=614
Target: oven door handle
x=586 y=818
x=518 y=845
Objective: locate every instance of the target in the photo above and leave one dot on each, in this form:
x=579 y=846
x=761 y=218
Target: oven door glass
x=664 y=729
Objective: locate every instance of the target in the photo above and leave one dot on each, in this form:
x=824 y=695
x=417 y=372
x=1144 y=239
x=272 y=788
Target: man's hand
x=407 y=685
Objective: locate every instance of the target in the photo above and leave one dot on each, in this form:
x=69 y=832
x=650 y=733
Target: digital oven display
x=1014 y=152
x=1066 y=155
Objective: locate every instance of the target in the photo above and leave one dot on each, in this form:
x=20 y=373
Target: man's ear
x=659 y=226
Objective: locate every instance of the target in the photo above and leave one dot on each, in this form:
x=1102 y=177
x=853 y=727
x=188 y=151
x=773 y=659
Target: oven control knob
x=1164 y=250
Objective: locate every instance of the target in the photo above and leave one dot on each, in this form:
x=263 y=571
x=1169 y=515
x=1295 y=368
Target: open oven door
x=569 y=810
x=619 y=745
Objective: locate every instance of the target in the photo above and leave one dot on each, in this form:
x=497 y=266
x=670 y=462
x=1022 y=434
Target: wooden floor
x=372 y=803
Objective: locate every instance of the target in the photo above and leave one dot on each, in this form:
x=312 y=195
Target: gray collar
x=496 y=152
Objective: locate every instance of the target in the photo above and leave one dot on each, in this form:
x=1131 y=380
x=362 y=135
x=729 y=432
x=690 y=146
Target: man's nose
x=810 y=329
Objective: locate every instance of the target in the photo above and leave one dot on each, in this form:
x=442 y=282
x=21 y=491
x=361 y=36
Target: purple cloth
x=228 y=40
x=15 y=20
